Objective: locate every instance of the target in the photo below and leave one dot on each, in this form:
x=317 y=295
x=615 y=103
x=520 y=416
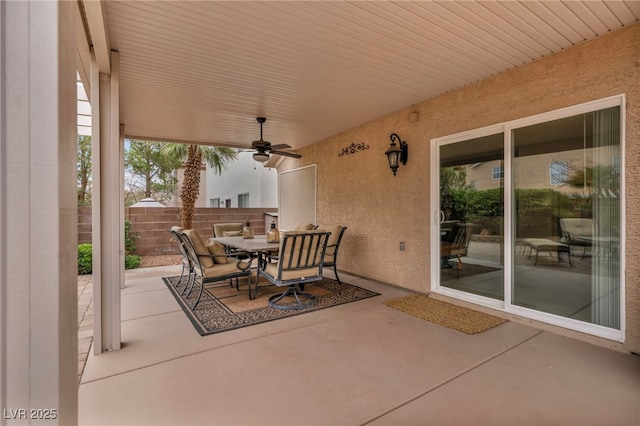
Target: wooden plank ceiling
x=203 y=71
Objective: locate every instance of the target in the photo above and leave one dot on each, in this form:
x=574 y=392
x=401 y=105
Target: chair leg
x=180 y=279
x=335 y=271
x=253 y=293
x=303 y=300
x=569 y=256
x=199 y=294
x=190 y=288
x=189 y=283
x=459 y=266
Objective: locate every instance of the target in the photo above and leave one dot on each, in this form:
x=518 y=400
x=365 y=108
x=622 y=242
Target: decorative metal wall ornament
x=353 y=148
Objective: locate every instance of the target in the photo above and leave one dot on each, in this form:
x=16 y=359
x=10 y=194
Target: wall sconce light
x=397 y=153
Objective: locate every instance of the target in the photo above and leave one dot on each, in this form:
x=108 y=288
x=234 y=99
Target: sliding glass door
x=566 y=192
x=528 y=217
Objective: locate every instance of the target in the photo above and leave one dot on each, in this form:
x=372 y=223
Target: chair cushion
x=219 y=228
x=219 y=270
x=577 y=227
x=201 y=249
x=231 y=233
x=332 y=241
x=217 y=250
x=303 y=227
x=272 y=269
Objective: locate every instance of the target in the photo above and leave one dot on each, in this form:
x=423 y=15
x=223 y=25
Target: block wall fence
x=150 y=224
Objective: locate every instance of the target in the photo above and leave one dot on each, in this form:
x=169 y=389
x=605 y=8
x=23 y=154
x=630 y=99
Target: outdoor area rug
x=224 y=308
x=445 y=314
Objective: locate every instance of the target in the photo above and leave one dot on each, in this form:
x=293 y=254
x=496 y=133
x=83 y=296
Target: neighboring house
x=549 y=170
x=245 y=183
x=200 y=202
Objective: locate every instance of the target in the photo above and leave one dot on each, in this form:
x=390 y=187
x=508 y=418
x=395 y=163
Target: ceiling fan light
x=261 y=156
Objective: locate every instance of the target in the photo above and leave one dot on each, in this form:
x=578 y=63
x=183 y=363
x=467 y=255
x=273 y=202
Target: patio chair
x=577 y=232
x=455 y=245
x=211 y=263
x=333 y=244
x=230 y=229
x=300 y=261
x=186 y=261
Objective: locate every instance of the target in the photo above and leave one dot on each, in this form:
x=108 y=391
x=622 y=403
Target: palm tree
x=217 y=158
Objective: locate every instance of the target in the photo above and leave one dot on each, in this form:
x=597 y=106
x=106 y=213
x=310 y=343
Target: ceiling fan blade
x=286 y=154
x=280 y=146
x=263 y=147
x=260 y=144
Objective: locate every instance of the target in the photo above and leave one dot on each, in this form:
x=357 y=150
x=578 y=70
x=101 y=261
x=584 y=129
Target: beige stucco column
x=38 y=214
x=108 y=206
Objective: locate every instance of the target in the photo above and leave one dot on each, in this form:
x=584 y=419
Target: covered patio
x=355 y=364
x=335 y=80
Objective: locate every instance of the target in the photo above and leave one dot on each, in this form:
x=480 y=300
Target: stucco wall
x=380 y=210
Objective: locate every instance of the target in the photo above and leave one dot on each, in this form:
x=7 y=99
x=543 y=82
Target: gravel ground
x=160 y=260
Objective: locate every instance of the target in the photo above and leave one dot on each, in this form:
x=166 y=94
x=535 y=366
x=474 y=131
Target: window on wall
x=497 y=173
x=243 y=200
x=214 y=202
x=543 y=237
x=558 y=171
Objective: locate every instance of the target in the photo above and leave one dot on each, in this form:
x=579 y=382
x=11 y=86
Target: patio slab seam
x=125 y=291
x=452 y=378
x=150 y=315
x=209 y=349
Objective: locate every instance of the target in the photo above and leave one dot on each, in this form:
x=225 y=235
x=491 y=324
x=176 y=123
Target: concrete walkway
x=362 y=363
x=85 y=320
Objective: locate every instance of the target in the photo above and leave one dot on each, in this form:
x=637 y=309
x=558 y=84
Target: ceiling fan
x=264 y=149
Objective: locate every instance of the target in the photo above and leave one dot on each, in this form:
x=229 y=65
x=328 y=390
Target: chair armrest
x=234 y=255
x=243 y=265
x=237 y=254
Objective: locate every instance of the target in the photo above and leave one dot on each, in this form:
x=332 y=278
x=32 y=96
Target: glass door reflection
x=472 y=216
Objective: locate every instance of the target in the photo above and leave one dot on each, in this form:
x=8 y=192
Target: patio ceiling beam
x=98 y=33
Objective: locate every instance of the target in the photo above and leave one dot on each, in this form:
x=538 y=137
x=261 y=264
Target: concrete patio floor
x=362 y=363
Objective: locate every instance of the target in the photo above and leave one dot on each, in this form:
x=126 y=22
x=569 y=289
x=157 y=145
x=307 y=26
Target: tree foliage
x=84 y=170
x=452 y=180
x=150 y=173
x=218 y=158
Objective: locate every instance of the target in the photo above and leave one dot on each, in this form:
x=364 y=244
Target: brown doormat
x=445 y=314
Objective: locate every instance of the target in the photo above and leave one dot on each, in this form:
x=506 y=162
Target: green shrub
x=129 y=240
x=537 y=210
x=132 y=261
x=85 y=259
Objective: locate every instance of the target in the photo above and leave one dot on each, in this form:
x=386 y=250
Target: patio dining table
x=254 y=246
